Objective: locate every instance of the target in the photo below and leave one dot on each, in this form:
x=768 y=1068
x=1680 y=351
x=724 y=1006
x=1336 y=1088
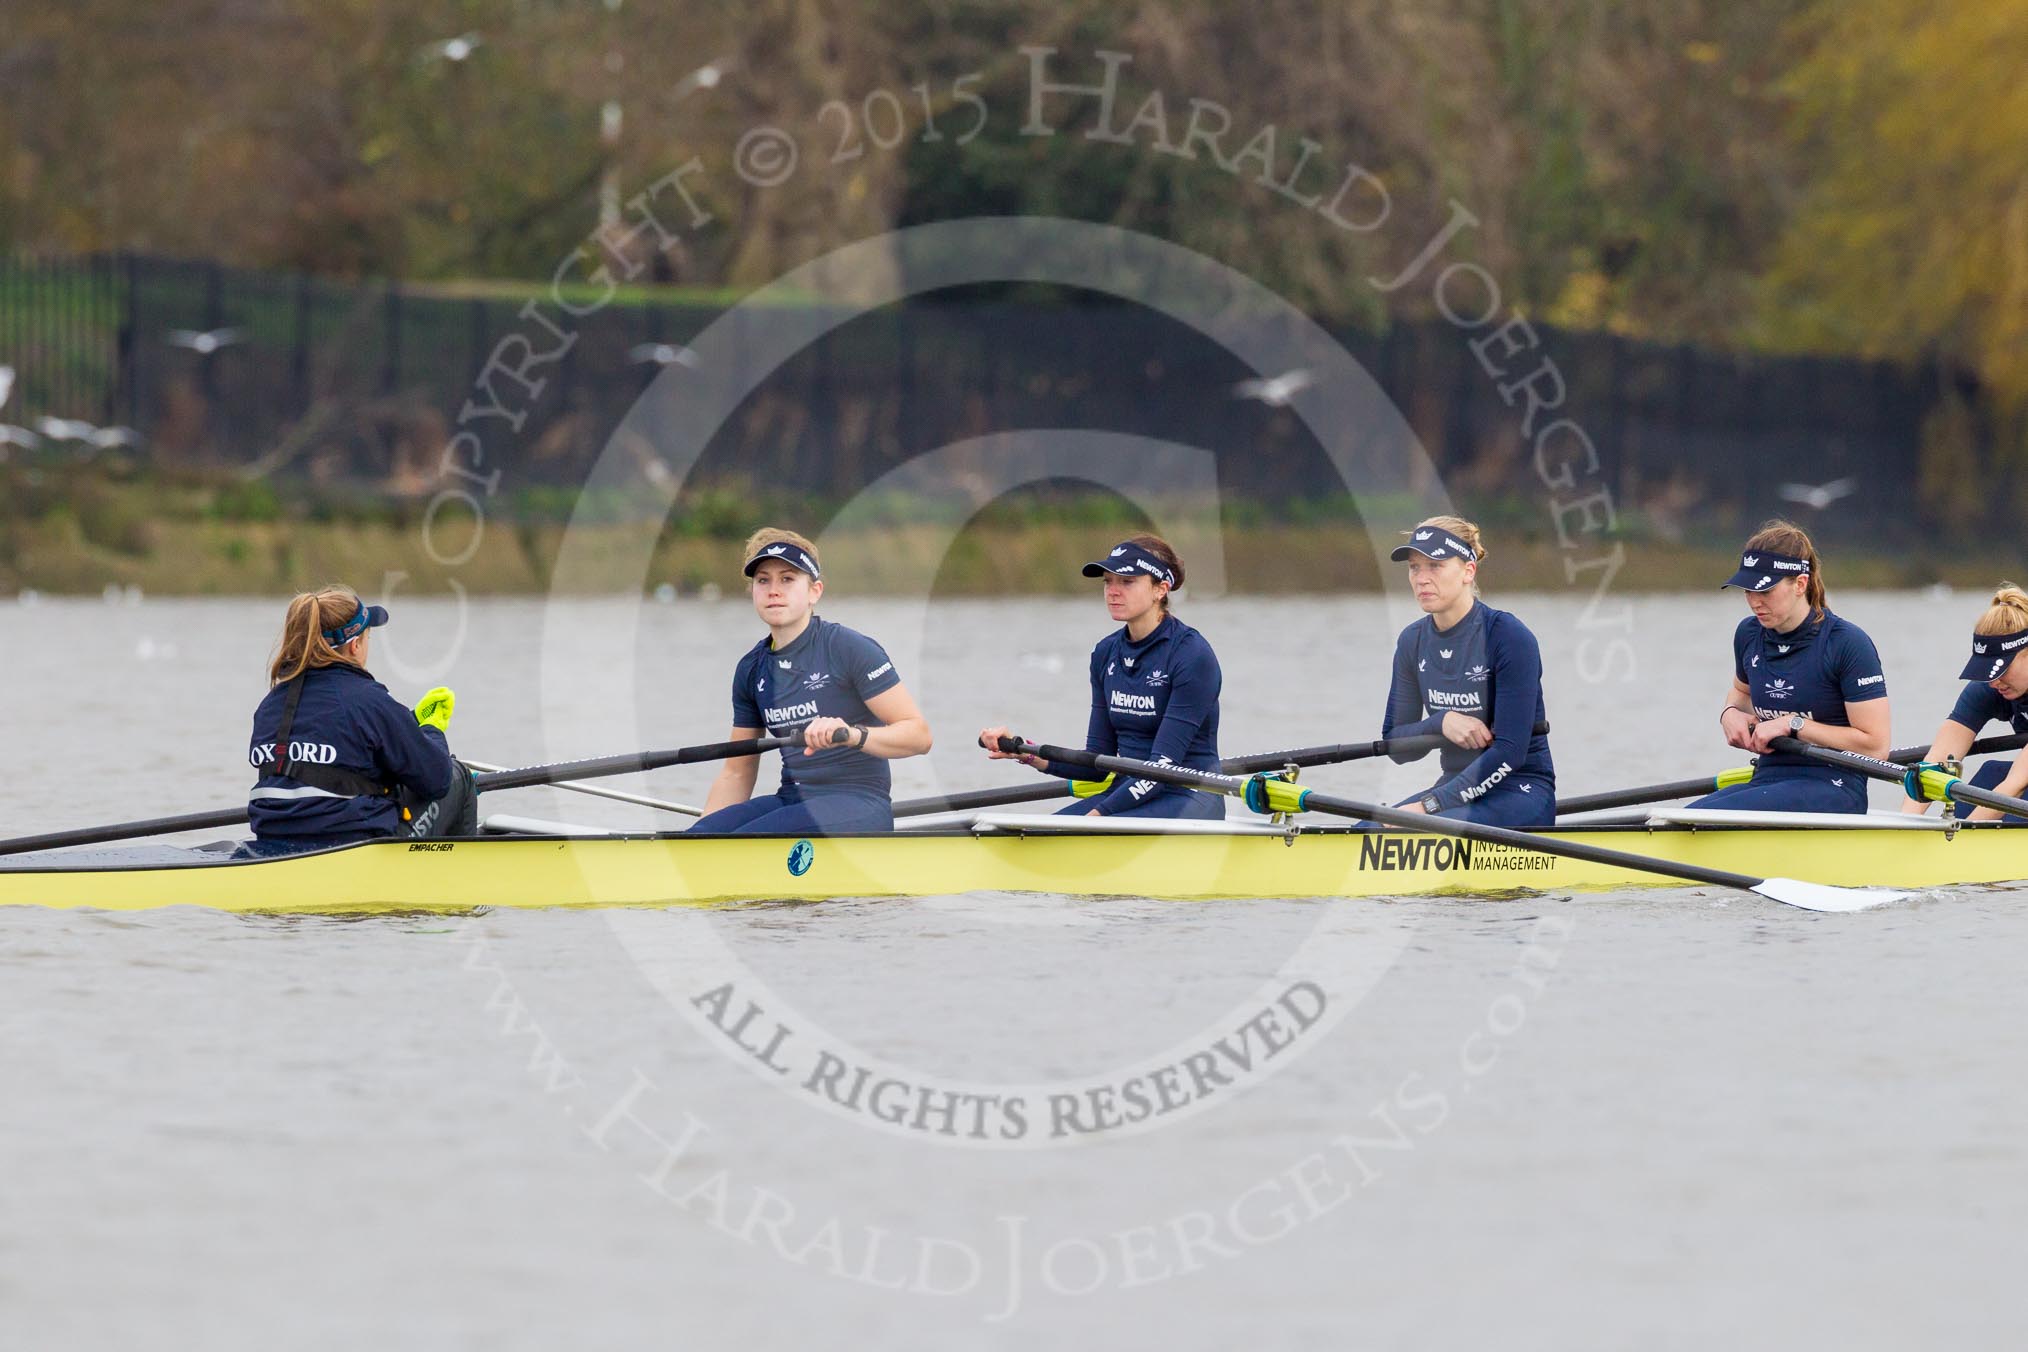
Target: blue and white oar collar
x=1759 y=570
x=1128 y=559
x=1991 y=654
x=364 y=617
x=792 y=554
x=1433 y=542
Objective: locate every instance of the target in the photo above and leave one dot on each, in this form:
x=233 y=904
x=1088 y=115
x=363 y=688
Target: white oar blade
x=1824 y=897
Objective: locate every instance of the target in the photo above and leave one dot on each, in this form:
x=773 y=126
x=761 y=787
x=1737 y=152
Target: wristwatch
x=1431 y=806
x=1796 y=722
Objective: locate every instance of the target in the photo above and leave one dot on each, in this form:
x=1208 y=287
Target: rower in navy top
x=808 y=679
x=1154 y=691
x=1797 y=671
x=339 y=759
x=1996 y=690
x=1474 y=675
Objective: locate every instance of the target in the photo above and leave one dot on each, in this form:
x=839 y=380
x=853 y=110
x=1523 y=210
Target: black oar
x=1272 y=795
x=1345 y=751
x=1332 y=754
x=1697 y=788
x=630 y=763
x=1938 y=785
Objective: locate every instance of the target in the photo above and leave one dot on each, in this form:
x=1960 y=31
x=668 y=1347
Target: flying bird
x=1275 y=391
x=452 y=50
x=662 y=354
x=704 y=77
x=76 y=429
x=205 y=343
x=1818 y=496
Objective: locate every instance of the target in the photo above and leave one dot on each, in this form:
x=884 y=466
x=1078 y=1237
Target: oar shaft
x=1873 y=766
x=1419 y=821
x=1345 y=751
x=100 y=835
x=1653 y=793
x=978 y=798
x=507 y=779
x=633 y=762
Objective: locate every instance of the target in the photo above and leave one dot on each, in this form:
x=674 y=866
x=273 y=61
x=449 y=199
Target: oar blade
x=1824 y=897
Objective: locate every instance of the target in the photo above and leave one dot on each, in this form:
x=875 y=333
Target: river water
x=1665 y=1119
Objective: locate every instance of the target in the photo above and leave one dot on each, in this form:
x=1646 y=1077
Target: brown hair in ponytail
x=1164 y=552
x=303 y=645
x=1786 y=537
x=2006 y=613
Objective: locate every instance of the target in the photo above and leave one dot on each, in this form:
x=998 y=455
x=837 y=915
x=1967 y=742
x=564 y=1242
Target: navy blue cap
x=1759 y=570
x=1991 y=653
x=1433 y=542
x=1128 y=559
x=364 y=618
x=790 y=553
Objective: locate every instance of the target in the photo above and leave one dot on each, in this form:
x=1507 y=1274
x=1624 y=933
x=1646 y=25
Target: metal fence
x=361 y=384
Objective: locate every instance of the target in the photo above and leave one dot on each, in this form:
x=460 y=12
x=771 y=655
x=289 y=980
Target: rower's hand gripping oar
x=1265 y=794
x=1922 y=782
x=631 y=763
x=1696 y=788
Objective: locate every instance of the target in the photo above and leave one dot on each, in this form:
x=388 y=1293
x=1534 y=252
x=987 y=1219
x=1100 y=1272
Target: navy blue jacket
x=829 y=671
x=1155 y=700
x=1815 y=669
x=1489 y=667
x=348 y=720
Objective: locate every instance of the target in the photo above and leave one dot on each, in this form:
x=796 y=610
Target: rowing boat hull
x=686 y=870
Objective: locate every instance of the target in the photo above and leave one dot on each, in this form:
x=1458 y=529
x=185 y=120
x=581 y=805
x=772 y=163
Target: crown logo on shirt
x=1781 y=647
x=1444 y=653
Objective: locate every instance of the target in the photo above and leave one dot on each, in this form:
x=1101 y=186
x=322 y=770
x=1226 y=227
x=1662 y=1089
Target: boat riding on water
x=341 y=761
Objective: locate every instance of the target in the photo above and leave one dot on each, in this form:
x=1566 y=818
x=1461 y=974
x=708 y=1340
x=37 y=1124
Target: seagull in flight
x=706 y=76
x=662 y=354
x=1276 y=391
x=1818 y=496
x=205 y=343
x=76 y=429
x=453 y=50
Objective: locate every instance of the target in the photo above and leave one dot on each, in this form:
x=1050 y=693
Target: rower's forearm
x=1856 y=740
x=898 y=741
x=734 y=785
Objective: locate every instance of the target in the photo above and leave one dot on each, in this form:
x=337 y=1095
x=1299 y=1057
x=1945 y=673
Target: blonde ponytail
x=302 y=645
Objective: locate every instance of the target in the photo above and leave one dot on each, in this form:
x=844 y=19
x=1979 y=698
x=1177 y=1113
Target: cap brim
x=1979 y=668
x=1401 y=552
x=759 y=559
x=1745 y=579
x=376 y=616
x=1101 y=569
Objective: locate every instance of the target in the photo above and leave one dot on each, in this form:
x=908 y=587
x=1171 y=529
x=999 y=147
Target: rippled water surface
x=1665 y=1119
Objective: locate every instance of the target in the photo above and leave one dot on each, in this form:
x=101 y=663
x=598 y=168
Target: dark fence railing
x=361 y=384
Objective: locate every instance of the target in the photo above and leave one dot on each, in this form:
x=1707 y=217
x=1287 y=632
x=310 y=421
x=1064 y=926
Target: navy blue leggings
x=1170 y=802
x=1792 y=788
x=1518 y=805
x=817 y=814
